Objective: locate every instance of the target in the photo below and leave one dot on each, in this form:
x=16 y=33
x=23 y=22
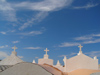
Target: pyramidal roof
x=11 y=60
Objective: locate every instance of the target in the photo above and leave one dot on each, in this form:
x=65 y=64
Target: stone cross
x=80 y=47
x=14 y=48
x=46 y=51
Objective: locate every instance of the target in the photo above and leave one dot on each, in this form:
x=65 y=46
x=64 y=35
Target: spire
x=64 y=63
x=46 y=51
x=80 y=48
x=58 y=63
x=95 y=57
x=33 y=61
x=65 y=58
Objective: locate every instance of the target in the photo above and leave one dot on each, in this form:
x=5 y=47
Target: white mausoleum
x=12 y=59
x=81 y=61
x=45 y=59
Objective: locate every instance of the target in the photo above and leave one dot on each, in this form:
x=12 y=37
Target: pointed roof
x=64 y=59
x=33 y=61
x=95 y=57
x=11 y=60
x=58 y=63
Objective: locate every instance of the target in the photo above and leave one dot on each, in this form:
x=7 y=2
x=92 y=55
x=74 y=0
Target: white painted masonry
x=45 y=59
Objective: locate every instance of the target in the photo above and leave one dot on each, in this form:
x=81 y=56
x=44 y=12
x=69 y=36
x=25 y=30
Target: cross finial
x=46 y=51
x=80 y=47
x=14 y=48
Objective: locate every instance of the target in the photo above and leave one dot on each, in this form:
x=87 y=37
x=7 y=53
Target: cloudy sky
x=59 y=25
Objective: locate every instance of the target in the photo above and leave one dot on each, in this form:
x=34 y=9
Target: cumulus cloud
x=3 y=54
x=32 y=48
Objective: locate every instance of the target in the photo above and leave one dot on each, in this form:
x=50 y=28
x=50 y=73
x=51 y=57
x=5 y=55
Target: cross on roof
x=80 y=47
x=14 y=48
x=46 y=50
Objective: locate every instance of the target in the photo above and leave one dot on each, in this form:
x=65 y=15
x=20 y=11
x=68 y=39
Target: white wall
x=81 y=62
x=47 y=61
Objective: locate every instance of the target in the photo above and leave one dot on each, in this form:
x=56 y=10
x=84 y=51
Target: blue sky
x=59 y=25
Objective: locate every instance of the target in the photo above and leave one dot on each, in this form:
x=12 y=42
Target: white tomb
x=80 y=61
x=45 y=59
x=12 y=59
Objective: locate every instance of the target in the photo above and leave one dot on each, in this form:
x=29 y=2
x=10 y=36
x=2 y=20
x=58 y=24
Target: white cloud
x=15 y=42
x=69 y=55
x=20 y=56
x=32 y=33
x=6 y=32
x=3 y=32
x=92 y=41
x=72 y=54
x=4 y=46
x=7 y=11
x=84 y=38
x=38 y=17
x=97 y=35
x=32 y=48
x=62 y=55
x=67 y=44
x=3 y=54
x=12 y=31
x=87 y=39
x=94 y=53
x=44 y=5
x=41 y=7
x=89 y=5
